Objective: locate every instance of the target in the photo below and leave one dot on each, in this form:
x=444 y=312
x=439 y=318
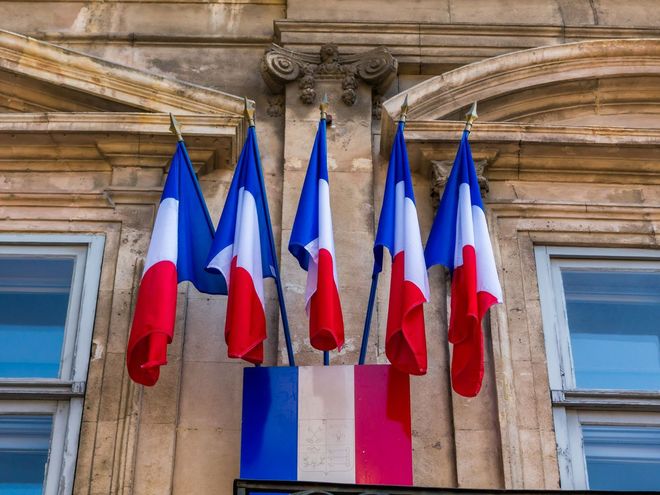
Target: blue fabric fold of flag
x=195 y=228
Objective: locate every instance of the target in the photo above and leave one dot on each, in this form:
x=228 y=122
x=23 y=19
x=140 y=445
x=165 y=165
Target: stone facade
x=568 y=135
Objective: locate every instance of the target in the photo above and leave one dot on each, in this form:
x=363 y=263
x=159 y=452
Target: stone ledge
x=539 y=152
x=419 y=47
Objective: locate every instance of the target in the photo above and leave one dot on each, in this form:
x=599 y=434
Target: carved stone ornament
x=281 y=66
x=440 y=170
x=275 y=106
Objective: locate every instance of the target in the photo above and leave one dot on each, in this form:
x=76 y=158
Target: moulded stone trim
x=143 y=91
x=542 y=152
x=101 y=141
x=50 y=199
x=450 y=131
x=447 y=45
x=515 y=228
x=439 y=96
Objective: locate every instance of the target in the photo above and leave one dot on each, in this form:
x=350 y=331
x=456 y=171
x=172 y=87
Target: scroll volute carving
x=281 y=66
x=440 y=170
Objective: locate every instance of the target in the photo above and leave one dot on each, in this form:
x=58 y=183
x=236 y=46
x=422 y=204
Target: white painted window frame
x=573 y=407
x=60 y=397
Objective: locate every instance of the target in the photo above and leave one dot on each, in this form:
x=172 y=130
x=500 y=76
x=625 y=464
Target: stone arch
x=581 y=83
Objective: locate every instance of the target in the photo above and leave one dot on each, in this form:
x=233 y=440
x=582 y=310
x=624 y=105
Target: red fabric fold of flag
x=405 y=343
x=326 y=323
x=245 y=324
x=153 y=323
x=468 y=308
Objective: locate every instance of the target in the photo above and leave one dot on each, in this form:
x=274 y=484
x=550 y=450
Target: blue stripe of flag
x=269 y=435
x=306 y=224
x=397 y=171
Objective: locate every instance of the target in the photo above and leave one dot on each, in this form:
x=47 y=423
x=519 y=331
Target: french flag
x=313 y=246
x=460 y=241
x=398 y=231
x=242 y=254
x=341 y=424
x=181 y=238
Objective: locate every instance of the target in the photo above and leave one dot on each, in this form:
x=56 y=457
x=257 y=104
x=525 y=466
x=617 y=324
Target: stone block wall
x=183 y=436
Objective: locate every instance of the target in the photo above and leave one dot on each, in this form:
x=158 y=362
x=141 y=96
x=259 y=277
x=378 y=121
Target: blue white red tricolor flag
x=341 y=424
x=242 y=254
x=313 y=246
x=398 y=231
x=180 y=241
x=460 y=241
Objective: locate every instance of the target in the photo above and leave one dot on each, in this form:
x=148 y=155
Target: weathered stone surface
x=217 y=467
x=153 y=474
x=208 y=392
x=84 y=146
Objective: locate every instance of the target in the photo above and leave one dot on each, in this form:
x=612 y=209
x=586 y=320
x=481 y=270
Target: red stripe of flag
x=153 y=323
x=405 y=343
x=245 y=324
x=467 y=309
x=383 y=437
x=326 y=323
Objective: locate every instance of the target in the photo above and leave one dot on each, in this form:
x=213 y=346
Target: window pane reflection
x=614 y=323
x=24 y=443
x=34 y=298
x=622 y=457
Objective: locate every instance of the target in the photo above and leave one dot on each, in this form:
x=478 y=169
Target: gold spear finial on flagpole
x=249 y=112
x=324 y=107
x=404 y=110
x=470 y=117
x=175 y=127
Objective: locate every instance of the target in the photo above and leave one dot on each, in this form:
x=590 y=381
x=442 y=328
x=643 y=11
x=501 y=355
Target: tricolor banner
x=313 y=245
x=460 y=241
x=180 y=241
x=342 y=424
x=242 y=254
x=398 y=231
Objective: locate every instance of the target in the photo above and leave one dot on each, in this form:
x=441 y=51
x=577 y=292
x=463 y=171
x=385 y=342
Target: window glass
x=613 y=320
x=34 y=297
x=24 y=444
x=622 y=457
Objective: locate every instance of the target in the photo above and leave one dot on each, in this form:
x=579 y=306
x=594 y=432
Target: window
x=601 y=320
x=48 y=290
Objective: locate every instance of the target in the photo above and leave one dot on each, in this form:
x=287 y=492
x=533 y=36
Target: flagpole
x=249 y=115
x=374 y=276
x=323 y=107
x=367 y=320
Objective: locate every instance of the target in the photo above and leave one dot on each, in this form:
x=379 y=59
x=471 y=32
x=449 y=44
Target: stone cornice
x=420 y=46
x=435 y=131
x=115 y=122
x=137 y=139
x=541 y=153
x=141 y=90
x=50 y=199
